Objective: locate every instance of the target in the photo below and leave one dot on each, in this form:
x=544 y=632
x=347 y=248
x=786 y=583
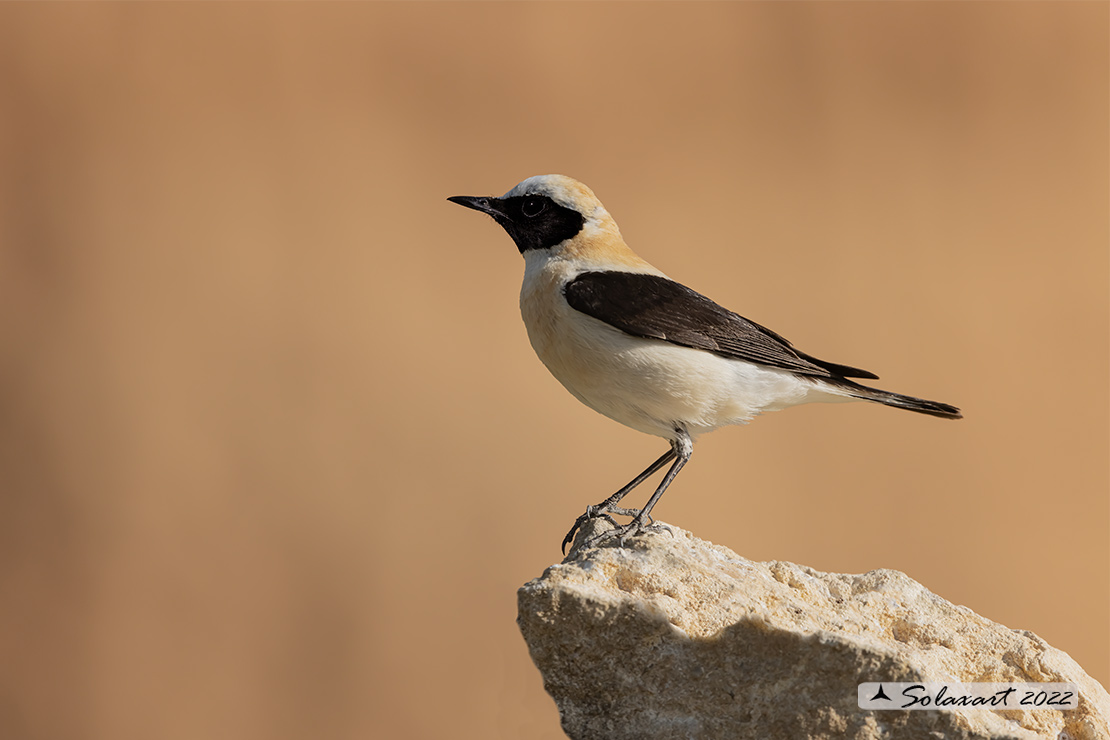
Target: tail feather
x=897 y=400
x=846 y=371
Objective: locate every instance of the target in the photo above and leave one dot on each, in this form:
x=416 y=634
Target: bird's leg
x=610 y=504
x=683 y=448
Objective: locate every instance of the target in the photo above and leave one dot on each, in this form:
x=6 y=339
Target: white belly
x=649 y=385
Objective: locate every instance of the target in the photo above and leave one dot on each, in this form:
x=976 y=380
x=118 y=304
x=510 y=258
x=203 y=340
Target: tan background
x=275 y=453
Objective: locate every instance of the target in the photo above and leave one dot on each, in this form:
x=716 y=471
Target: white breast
x=649 y=385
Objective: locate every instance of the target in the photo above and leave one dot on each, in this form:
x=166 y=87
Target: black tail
x=920 y=405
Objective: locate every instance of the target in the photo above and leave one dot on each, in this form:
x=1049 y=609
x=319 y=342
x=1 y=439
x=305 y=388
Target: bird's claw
x=592 y=512
x=622 y=533
x=632 y=529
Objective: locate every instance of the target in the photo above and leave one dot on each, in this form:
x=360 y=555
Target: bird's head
x=544 y=211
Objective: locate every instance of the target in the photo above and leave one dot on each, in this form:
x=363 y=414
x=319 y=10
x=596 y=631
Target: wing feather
x=655 y=307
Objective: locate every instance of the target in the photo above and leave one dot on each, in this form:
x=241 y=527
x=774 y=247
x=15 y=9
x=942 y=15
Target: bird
x=647 y=351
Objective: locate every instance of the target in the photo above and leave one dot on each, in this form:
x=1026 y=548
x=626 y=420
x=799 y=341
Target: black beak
x=491 y=206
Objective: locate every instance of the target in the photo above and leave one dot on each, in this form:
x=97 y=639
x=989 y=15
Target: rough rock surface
x=675 y=637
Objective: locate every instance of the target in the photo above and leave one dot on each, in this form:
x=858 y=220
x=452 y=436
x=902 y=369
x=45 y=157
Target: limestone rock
x=674 y=637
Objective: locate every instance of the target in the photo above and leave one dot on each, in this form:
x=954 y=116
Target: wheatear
x=638 y=347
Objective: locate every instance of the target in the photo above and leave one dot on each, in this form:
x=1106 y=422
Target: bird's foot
x=622 y=533
x=624 y=512
x=592 y=512
x=632 y=529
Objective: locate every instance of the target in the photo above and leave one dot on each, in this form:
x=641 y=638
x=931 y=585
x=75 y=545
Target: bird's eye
x=532 y=207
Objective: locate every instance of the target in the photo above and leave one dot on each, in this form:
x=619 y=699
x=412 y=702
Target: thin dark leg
x=615 y=499
x=683 y=446
x=683 y=458
x=610 y=504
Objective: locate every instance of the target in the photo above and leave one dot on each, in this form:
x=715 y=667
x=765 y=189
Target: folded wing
x=655 y=307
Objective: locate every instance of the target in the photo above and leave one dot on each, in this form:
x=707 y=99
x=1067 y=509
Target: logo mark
x=880 y=694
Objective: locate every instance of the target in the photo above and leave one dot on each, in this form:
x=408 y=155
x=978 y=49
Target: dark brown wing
x=654 y=307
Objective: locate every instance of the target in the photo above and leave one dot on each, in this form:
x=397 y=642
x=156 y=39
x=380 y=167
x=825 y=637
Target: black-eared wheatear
x=638 y=347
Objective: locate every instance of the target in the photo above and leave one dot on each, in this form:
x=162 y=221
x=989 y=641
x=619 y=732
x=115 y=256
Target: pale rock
x=675 y=637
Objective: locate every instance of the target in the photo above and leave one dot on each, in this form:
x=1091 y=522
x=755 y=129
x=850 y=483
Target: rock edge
x=675 y=637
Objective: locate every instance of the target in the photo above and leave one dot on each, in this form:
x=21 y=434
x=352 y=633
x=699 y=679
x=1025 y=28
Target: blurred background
x=275 y=454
